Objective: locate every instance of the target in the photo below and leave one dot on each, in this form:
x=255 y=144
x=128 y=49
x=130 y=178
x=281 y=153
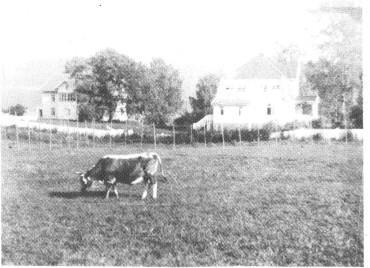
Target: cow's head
x=85 y=181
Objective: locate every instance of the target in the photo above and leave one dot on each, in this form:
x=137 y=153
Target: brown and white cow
x=128 y=169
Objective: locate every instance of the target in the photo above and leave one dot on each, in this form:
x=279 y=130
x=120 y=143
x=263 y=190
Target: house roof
x=54 y=82
x=262 y=67
x=231 y=102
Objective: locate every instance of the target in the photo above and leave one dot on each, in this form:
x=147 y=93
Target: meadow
x=272 y=204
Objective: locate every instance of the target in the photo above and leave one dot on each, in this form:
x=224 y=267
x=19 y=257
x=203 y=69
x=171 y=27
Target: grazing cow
x=128 y=169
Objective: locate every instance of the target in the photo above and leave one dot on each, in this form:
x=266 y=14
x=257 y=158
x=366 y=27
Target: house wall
x=64 y=109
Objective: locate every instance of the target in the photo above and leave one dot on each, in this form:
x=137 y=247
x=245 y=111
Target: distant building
x=58 y=101
x=261 y=92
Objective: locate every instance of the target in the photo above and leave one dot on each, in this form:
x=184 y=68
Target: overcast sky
x=205 y=33
x=195 y=36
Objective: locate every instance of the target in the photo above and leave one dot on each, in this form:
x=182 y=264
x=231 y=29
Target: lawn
x=292 y=204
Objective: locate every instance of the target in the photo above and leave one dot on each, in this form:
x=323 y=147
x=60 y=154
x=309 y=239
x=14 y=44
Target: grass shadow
x=76 y=194
x=90 y=194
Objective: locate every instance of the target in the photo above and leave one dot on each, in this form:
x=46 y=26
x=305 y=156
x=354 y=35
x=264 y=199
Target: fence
x=92 y=134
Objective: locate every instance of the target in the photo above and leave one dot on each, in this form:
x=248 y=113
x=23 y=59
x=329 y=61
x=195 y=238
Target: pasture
x=286 y=204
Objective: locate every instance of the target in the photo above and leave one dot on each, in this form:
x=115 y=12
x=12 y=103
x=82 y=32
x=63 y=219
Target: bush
x=17 y=109
x=350 y=136
x=317 y=137
x=317 y=123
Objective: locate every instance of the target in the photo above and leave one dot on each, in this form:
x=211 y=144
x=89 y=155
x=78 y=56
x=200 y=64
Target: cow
x=127 y=169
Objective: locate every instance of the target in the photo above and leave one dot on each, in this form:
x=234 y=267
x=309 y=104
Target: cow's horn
x=79 y=173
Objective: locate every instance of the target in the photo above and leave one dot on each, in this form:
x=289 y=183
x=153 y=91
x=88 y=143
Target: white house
x=58 y=100
x=260 y=92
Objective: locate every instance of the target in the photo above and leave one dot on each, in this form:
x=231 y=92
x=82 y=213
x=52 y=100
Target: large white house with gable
x=261 y=92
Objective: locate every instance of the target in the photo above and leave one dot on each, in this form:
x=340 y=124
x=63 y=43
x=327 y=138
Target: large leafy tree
x=206 y=90
x=336 y=76
x=160 y=92
x=101 y=82
x=152 y=93
x=334 y=88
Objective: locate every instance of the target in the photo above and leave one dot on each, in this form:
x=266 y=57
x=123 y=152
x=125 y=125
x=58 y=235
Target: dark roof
x=262 y=67
x=55 y=82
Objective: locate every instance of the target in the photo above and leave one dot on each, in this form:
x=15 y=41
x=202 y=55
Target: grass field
x=295 y=204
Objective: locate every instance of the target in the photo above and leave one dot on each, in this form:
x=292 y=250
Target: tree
x=152 y=92
x=206 y=90
x=17 y=109
x=100 y=82
x=160 y=92
x=336 y=76
x=334 y=88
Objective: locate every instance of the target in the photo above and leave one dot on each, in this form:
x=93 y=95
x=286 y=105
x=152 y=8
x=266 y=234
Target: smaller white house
x=261 y=92
x=58 y=101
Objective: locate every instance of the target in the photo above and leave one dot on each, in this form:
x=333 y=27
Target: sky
x=198 y=37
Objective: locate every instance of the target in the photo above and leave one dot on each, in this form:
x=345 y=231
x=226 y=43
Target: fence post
x=240 y=135
x=191 y=134
x=78 y=134
x=69 y=135
x=276 y=131
x=16 y=135
x=258 y=135
x=155 y=138
x=93 y=132
x=39 y=135
x=174 y=136
x=50 y=134
x=110 y=134
x=205 y=139
x=86 y=134
x=223 y=137
x=142 y=134
x=126 y=133
x=29 y=137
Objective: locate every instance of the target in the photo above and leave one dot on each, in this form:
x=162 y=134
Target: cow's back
x=126 y=170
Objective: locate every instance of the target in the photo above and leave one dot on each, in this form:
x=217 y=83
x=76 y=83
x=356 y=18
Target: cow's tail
x=156 y=156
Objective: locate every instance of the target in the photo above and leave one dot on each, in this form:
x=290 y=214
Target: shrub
x=317 y=123
x=317 y=137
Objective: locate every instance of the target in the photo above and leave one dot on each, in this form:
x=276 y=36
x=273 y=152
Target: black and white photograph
x=182 y=133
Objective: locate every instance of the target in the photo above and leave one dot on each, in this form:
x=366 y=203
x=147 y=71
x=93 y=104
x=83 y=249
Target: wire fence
x=75 y=135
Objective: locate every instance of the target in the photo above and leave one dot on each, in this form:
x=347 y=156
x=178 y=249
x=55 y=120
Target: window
x=222 y=111
x=52 y=111
x=53 y=97
x=269 y=111
x=306 y=109
x=240 y=111
x=227 y=88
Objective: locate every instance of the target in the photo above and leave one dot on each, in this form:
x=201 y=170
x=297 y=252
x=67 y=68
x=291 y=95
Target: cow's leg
x=115 y=190
x=110 y=184
x=145 y=193
x=108 y=187
x=155 y=190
